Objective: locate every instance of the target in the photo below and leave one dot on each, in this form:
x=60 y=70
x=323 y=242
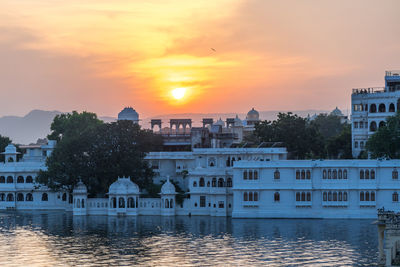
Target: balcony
x=369 y=90
x=392 y=73
x=335 y=203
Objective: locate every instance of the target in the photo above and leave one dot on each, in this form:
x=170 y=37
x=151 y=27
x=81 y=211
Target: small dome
x=253 y=115
x=337 y=112
x=168 y=188
x=238 y=122
x=128 y=113
x=80 y=188
x=11 y=149
x=220 y=122
x=123 y=186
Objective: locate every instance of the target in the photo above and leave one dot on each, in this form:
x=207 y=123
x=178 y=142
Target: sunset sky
x=218 y=56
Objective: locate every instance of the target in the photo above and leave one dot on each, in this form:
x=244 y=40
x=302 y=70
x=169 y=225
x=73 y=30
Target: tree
x=328 y=125
x=4 y=141
x=339 y=146
x=97 y=153
x=386 y=141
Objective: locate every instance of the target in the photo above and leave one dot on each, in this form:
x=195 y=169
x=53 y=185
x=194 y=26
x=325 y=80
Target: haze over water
x=59 y=239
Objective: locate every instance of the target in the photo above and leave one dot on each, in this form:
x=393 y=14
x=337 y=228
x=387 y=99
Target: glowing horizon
x=228 y=55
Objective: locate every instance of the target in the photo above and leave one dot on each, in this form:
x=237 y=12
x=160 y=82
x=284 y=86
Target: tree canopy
x=97 y=152
x=4 y=141
x=386 y=141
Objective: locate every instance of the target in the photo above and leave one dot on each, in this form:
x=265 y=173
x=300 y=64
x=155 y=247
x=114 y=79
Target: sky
x=215 y=56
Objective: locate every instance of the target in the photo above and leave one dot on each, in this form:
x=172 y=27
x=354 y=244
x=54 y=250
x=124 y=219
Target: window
x=335 y=196
x=220 y=204
x=220 y=182
x=20 y=180
x=361 y=124
x=308 y=196
x=372 y=108
x=45 y=197
x=201 y=182
x=325 y=198
x=131 y=203
x=64 y=197
x=298 y=196
x=372 y=174
x=202 y=201
x=245 y=175
x=355 y=124
x=211 y=162
x=324 y=174
x=255 y=196
x=255 y=175
x=391 y=107
x=29 y=179
x=2 y=197
x=10 y=180
x=250 y=175
x=308 y=174
x=372 y=196
x=367 y=196
x=361 y=196
x=345 y=174
x=395 y=197
x=372 y=126
x=10 y=197
x=361 y=145
x=340 y=174
x=194 y=184
x=334 y=174
x=329 y=174
x=345 y=196
x=214 y=182
x=277 y=197
x=29 y=197
x=382 y=107
x=297 y=175
x=355 y=144
x=2 y=179
x=367 y=174
x=277 y=175
x=361 y=174
x=395 y=174
x=20 y=197
x=229 y=182
x=330 y=196
x=303 y=175
x=250 y=196
x=340 y=196
x=382 y=124
x=245 y=196
x=303 y=196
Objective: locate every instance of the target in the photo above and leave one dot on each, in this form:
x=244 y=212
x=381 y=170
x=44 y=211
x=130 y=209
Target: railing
x=369 y=90
x=392 y=73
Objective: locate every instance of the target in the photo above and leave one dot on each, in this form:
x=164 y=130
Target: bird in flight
x=213 y=49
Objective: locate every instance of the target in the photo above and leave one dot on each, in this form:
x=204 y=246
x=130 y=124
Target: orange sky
x=100 y=56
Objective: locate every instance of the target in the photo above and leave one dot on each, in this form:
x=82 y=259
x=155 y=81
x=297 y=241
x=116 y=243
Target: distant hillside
x=36 y=124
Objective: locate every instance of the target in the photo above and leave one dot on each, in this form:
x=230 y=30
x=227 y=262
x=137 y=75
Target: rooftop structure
x=130 y=114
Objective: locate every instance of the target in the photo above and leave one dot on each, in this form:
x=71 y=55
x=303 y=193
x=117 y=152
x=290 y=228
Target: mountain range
x=36 y=124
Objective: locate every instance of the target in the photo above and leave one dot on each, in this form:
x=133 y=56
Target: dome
x=80 y=188
x=220 y=122
x=253 y=115
x=238 y=122
x=128 y=113
x=337 y=112
x=123 y=186
x=11 y=149
x=168 y=188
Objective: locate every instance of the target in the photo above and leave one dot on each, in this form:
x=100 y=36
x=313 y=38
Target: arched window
x=308 y=196
x=10 y=197
x=250 y=175
x=211 y=162
x=344 y=174
x=121 y=202
x=303 y=175
x=382 y=124
x=194 y=184
x=277 y=197
x=244 y=175
x=297 y=175
x=131 y=203
x=361 y=124
x=324 y=174
x=395 y=174
x=382 y=107
x=303 y=196
x=372 y=126
x=372 y=174
x=334 y=196
x=372 y=196
x=372 y=108
x=78 y=203
x=355 y=124
x=325 y=198
x=220 y=182
x=308 y=174
x=20 y=180
x=340 y=196
x=2 y=197
x=114 y=203
x=330 y=196
x=255 y=175
x=361 y=196
x=29 y=197
x=340 y=174
x=366 y=174
x=201 y=182
x=329 y=174
x=171 y=203
x=228 y=162
x=10 y=180
x=298 y=196
x=45 y=197
x=2 y=179
x=29 y=179
x=361 y=174
x=250 y=196
x=64 y=197
x=334 y=174
x=245 y=196
x=391 y=107
x=395 y=197
x=344 y=196
x=20 y=197
x=367 y=196
x=214 y=182
x=255 y=196
x=83 y=203
x=229 y=182
x=277 y=175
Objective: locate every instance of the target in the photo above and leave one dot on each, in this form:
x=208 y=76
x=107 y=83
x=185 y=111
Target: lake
x=59 y=239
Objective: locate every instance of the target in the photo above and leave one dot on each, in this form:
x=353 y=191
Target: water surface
x=59 y=239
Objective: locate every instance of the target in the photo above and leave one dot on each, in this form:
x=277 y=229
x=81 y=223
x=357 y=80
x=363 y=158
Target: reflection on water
x=52 y=238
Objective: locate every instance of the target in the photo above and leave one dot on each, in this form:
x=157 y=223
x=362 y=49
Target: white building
x=370 y=108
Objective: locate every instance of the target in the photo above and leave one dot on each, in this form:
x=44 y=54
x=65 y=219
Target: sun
x=178 y=93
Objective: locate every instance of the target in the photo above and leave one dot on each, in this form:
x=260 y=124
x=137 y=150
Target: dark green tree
x=328 y=125
x=386 y=141
x=4 y=141
x=339 y=146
